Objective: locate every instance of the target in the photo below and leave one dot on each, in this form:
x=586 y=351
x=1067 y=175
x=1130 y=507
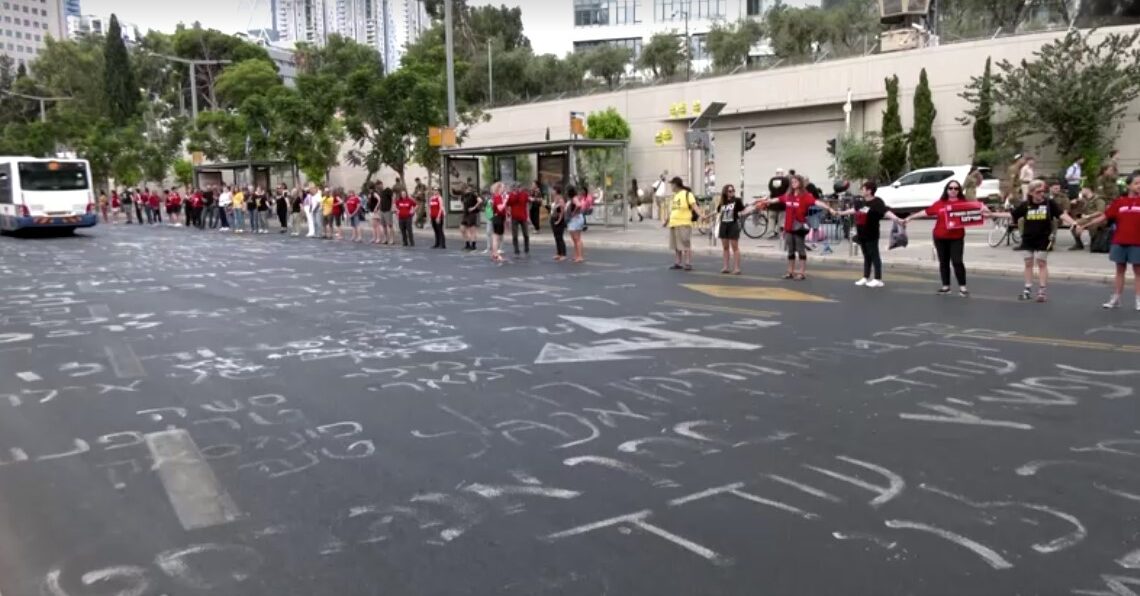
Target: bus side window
x=5 y=184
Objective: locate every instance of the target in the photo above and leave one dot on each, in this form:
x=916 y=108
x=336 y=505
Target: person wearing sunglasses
x=1038 y=215
x=730 y=207
x=949 y=242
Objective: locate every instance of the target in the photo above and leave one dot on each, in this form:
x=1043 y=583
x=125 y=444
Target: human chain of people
x=1036 y=209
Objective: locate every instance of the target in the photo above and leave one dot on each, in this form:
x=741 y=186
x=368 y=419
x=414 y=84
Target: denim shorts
x=1124 y=254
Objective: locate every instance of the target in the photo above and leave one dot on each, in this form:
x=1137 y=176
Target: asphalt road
x=189 y=413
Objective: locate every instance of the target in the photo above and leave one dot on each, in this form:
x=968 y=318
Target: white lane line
x=29 y=377
x=199 y=500
x=124 y=361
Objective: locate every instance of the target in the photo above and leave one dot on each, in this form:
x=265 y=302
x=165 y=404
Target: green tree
x=244 y=80
x=663 y=55
x=979 y=93
x=893 y=156
x=600 y=166
x=730 y=45
x=387 y=120
x=119 y=79
x=858 y=157
x=183 y=172
x=923 y=148
x=1075 y=91
x=608 y=63
x=196 y=43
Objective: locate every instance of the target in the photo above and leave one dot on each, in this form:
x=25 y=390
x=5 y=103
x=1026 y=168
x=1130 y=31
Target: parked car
x=920 y=188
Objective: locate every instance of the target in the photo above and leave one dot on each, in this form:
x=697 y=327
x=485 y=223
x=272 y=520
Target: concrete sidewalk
x=917 y=256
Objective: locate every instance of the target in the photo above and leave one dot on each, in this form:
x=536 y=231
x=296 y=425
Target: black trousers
x=871 y=258
x=515 y=225
x=559 y=239
x=950 y=253
x=535 y=214
x=406 y=231
x=437 y=228
x=139 y=213
x=222 y=219
x=283 y=218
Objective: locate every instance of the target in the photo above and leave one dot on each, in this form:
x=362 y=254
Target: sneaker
x=862 y=282
x=875 y=283
x=1041 y=297
x=1026 y=294
x=223 y=229
x=1113 y=302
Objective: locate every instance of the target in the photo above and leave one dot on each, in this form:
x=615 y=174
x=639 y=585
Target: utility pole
x=449 y=35
x=42 y=101
x=490 y=74
x=688 y=49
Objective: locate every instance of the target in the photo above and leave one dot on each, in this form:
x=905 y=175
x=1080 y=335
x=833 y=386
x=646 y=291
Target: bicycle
x=755 y=224
x=1004 y=230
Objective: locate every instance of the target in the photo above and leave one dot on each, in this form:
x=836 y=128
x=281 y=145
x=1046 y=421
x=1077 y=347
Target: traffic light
x=831 y=146
x=749 y=141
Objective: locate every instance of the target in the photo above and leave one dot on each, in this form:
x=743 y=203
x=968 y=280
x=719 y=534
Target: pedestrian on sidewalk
x=436 y=215
x=535 y=203
x=661 y=196
x=949 y=243
x=499 y=211
x=576 y=222
x=518 y=200
x=1039 y=215
x=730 y=207
x=1074 y=174
x=469 y=223
x=1027 y=175
x=1125 y=213
x=683 y=211
x=869 y=214
x=405 y=212
x=635 y=201
x=796 y=202
x=778 y=186
x=354 y=211
x=558 y=223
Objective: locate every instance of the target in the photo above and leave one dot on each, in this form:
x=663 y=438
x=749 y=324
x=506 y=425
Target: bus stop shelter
x=602 y=164
x=252 y=173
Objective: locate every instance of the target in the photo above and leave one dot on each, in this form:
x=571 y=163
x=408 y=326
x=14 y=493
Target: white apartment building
x=630 y=23
x=25 y=24
x=387 y=25
x=88 y=24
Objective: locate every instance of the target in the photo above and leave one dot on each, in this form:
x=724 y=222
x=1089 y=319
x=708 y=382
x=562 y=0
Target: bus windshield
x=53 y=175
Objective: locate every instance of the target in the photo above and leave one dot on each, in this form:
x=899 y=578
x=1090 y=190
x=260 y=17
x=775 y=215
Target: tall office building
x=387 y=25
x=25 y=24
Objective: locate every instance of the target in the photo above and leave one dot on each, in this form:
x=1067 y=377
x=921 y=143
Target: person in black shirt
x=1038 y=214
x=470 y=222
x=372 y=208
x=386 y=216
x=297 y=221
x=869 y=213
x=729 y=207
x=208 y=204
x=778 y=186
x=281 y=204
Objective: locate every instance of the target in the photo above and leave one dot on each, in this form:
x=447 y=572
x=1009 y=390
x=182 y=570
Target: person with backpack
x=683 y=211
x=1124 y=212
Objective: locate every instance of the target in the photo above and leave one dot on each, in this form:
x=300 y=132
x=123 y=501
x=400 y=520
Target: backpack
x=588 y=205
x=1101 y=241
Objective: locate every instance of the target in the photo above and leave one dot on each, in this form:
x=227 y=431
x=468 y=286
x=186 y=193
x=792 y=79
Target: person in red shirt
x=435 y=214
x=948 y=243
x=116 y=205
x=173 y=206
x=338 y=213
x=405 y=210
x=1125 y=251
x=796 y=203
x=194 y=217
x=518 y=200
x=355 y=214
x=498 y=220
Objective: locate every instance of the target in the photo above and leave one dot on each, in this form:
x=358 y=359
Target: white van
x=45 y=193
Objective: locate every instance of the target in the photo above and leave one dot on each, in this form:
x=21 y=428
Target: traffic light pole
x=742 y=150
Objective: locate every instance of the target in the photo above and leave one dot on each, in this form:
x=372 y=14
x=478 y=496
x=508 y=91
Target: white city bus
x=45 y=193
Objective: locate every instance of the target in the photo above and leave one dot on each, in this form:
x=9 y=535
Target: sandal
x=801 y=277
x=737 y=272
x=724 y=271
x=788 y=276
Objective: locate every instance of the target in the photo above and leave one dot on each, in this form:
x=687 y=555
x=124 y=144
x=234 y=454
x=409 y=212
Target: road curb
x=1012 y=270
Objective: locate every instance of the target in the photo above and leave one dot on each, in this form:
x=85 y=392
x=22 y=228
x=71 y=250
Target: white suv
x=921 y=188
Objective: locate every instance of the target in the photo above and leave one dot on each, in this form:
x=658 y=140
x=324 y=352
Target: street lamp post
x=450 y=42
x=42 y=101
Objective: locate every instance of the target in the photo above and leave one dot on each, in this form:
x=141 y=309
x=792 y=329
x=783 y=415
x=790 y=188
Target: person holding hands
x=796 y=203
